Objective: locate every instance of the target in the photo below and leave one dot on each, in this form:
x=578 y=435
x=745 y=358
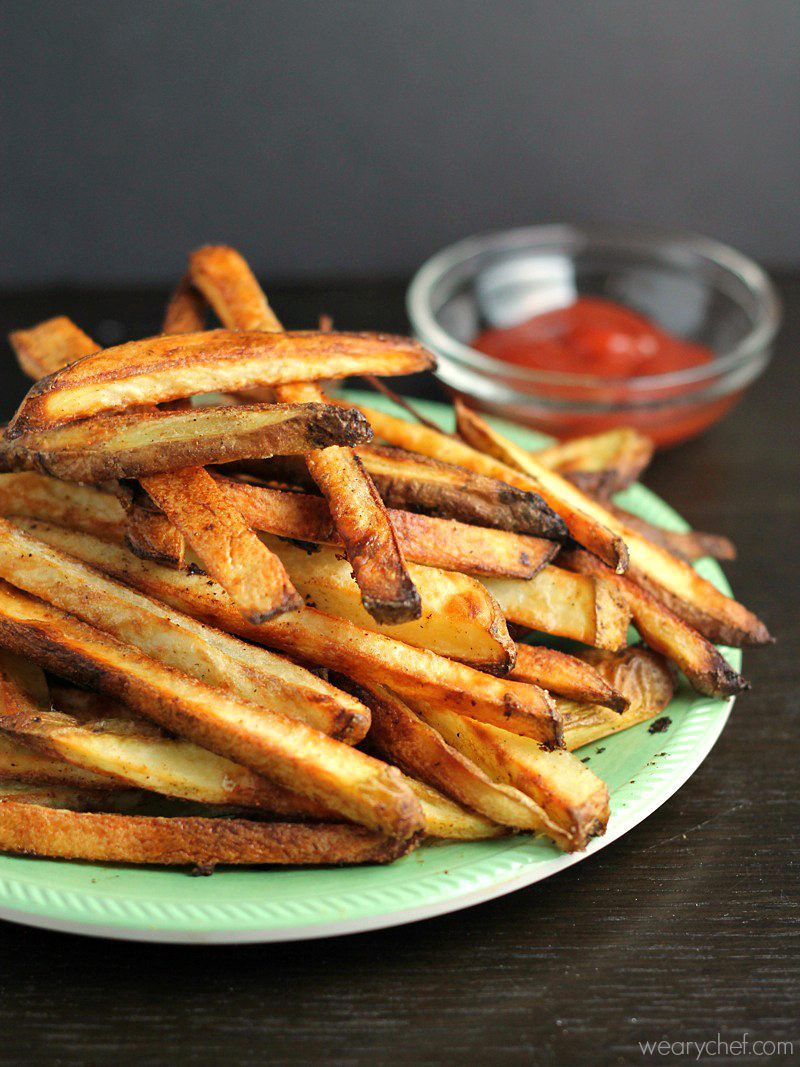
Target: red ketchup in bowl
x=603 y=339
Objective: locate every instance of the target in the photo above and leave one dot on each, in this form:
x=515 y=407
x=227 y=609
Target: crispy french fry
x=663 y=631
x=401 y=736
x=419 y=483
x=49 y=346
x=424 y=539
x=369 y=658
x=601 y=463
x=19 y=761
x=185 y=311
x=641 y=675
x=565 y=676
x=418 y=438
x=78 y=507
x=72 y=797
x=292 y=754
x=151 y=535
x=132 y=753
x=574 y=799
x=151 y=442
x=592 y=612
x=460 y=618
x=163 y=368
x=357 y=511
x=214 y=658
x=450 y=821
x=101 y=837
x=670 y=580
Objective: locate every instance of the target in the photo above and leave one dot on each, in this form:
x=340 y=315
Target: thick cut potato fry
x=400 y=736
x=601 y=463
x=672 y=581
x=78 y=507
x=30 y=830
x=574 y=799
x=419 y=483
x=166 y=367
x=418 y=438
x=292 y=754
x=49 y=346
x=151 y=442
x=21 y=762
x=642 y=676
x=450 y=821
x=460 y=618
x=177 y=640
x=151 y=535
x=357 y=511
x=434 y=542
x=704 y=666
x=72 y=797
x=228 y=548
x=565 y=676
x=369 y=658
x=592 y=612
x=186 y=310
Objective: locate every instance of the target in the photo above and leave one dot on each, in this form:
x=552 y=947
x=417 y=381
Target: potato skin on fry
x=29 y=830
x=168 y=367
x=136 y=444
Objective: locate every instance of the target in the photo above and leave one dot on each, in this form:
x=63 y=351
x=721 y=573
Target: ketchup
x=592 y=336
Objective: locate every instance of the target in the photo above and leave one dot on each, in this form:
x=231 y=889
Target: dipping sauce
x=592 y=336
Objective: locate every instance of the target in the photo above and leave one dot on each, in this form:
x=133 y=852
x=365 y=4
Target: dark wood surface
x=684 y=929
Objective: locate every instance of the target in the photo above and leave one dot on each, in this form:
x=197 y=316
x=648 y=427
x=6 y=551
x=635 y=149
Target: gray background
x=350 y=139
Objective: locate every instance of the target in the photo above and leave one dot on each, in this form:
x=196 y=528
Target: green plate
x=250 y=905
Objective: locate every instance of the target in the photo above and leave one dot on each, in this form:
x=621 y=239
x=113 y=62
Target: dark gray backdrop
x=354 y=138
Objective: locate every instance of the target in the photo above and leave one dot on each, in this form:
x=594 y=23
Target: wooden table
x=683 y=929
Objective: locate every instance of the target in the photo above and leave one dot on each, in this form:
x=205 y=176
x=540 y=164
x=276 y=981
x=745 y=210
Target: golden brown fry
x=450 y=821
x=424 y=539
x=418 y=438
x=151 y=442
x=642 y=676
x=565 y=676
x=552 y=602
x=214 y=658
x=163 y=368
x=357 y=510
x=400 y=736
x=368 y=658
x=100 y=837
x=419 y=483
x=186 y=310
x=49 y=346
x=73 y=797
x=229 y=549
x=616 y=459
x=283 y=749
x=151 y=535
x=78 y=507
x=663 y=631
x=460 y=618
x=573 y=798
x=20 y=762
x=670 y=580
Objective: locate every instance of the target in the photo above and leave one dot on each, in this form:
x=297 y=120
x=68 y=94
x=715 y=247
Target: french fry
x=78 y=507
x=672 y=581
x=663 y=631
x=402 y=737
x=151 y=535
x=641 y=675
x=450 y=821
x=178 y=641
x=20 y=762
x=31 y=830
x=185 y=311
x=601 y=463
x=132 y=753
x=49 y=346
x=357 y=511
x=552 y=602
x=566 y=676
x=419 y=483
x=688 y=545
x=163 y=368
x=367 y=657
x=460 y=618
x=72 y=797
x=292 y=754
x=151 y=442
x=440 y=446
x=434 y=542
x=573 y=798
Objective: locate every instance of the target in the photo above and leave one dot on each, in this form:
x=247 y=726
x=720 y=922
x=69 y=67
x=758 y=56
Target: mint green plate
x=250 y=905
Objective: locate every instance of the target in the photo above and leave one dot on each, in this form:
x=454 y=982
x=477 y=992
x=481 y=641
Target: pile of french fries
x=243 y=623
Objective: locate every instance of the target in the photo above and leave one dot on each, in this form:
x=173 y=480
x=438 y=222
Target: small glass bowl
x=693 y=287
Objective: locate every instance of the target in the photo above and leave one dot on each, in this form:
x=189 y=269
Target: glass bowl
x=693 y=287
